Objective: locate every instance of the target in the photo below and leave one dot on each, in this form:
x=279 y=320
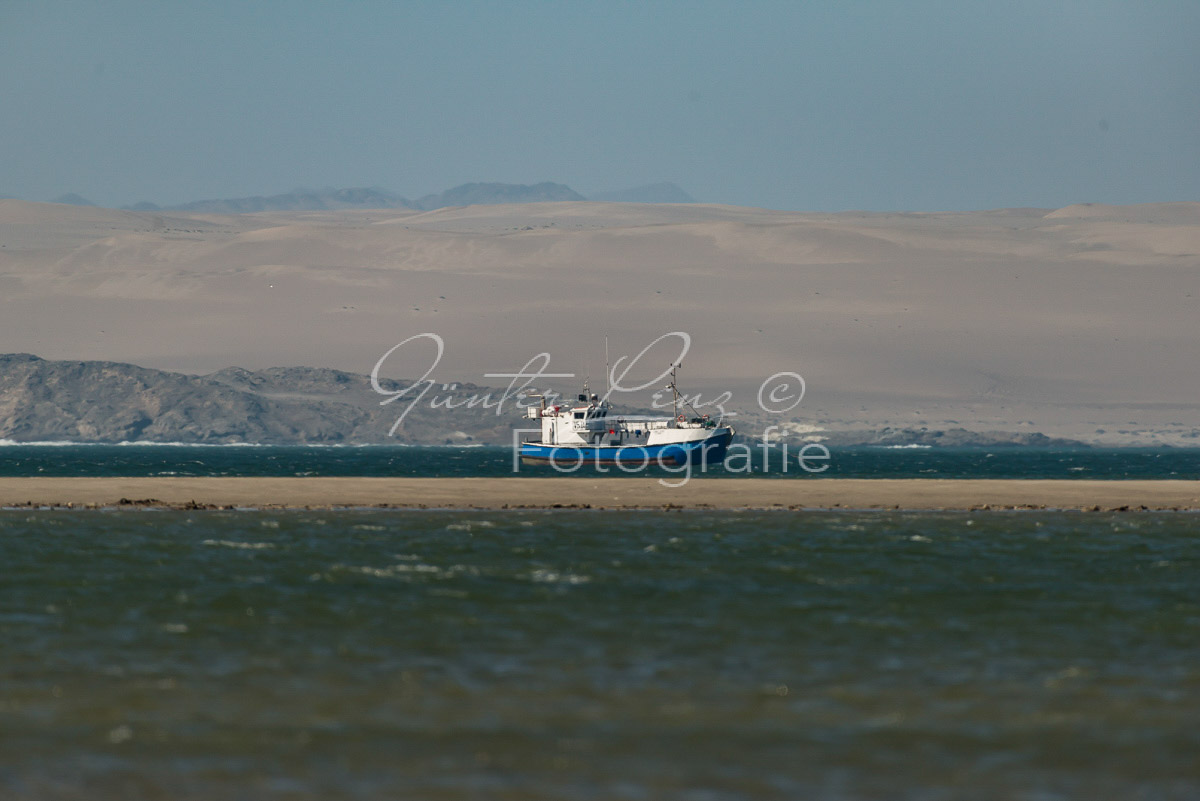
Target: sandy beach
x=603 y=493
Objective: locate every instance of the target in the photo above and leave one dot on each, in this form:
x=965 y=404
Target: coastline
x=602 y=493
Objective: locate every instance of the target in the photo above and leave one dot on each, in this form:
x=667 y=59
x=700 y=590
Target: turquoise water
x=599 y=655
x=175 y=460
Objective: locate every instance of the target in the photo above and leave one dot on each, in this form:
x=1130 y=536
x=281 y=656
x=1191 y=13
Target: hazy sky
x=823 y=106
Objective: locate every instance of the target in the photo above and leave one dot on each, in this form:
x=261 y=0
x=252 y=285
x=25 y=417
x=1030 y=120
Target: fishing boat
x=587 y=433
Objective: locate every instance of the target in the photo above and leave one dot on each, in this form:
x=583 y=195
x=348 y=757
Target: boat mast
x=674 y=394
x=607 y=373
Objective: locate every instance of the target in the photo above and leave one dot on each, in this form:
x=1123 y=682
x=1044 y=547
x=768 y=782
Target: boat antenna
x=607 y=373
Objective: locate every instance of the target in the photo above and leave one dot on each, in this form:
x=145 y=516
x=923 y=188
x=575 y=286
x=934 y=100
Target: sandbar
x=595 y=493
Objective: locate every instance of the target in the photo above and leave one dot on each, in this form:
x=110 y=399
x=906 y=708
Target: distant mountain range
x=376 y=198
x=486 y=194
x=298 y=200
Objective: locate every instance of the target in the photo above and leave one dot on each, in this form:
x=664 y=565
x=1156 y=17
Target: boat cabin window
x=578 y=415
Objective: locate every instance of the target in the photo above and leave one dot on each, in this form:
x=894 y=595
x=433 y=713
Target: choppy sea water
x=597 y=655
x=862 y=462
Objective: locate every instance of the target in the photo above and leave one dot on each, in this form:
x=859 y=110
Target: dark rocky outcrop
x=76 y=401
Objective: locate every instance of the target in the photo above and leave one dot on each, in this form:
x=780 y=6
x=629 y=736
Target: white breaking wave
x=153 y=444
x=134 y=443
x=245 y=546
x=4 y=442
x=146 y=443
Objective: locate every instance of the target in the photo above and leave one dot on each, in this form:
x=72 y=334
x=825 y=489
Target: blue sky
x=814 y=106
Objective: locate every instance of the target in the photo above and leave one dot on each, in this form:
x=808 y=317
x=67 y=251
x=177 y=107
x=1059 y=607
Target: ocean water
x=599 y=655
x=865 y=462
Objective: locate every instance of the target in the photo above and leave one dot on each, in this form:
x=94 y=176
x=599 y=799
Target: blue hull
x=566 y=458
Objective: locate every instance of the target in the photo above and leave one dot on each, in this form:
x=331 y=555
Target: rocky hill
x=96 y=401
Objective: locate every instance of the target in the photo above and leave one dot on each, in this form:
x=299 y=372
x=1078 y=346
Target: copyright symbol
x=781 y=392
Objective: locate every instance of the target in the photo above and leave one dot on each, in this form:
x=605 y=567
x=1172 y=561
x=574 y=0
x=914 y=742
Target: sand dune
x=1066 y=321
